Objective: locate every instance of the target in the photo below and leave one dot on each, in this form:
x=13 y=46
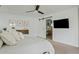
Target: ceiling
x=21 y=9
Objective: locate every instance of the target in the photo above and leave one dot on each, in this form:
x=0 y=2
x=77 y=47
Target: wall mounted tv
x=61 y=23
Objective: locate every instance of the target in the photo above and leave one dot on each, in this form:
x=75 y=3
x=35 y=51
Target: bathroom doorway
x=49 y=29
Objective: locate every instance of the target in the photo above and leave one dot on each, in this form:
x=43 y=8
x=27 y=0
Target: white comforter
x=30 y=45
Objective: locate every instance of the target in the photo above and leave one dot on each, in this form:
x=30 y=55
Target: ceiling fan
x=36 y=9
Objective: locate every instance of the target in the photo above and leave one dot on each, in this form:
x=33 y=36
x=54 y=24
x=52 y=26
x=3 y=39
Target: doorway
x=49 y=29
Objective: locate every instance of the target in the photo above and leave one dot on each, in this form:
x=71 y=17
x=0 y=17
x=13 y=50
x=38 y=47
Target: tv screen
x=61 y=23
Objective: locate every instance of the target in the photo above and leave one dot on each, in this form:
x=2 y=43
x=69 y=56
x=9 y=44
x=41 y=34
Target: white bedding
x=30 y=45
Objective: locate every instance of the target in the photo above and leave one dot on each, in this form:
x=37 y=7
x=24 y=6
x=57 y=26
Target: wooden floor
x=64 y=49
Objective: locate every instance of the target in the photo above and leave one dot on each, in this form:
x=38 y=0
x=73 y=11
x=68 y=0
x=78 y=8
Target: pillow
x=1 y=43
x=8 y=38
x=21 y=35
x=15 y=34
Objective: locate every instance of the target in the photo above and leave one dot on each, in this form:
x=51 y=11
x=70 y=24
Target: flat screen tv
x=61 y=23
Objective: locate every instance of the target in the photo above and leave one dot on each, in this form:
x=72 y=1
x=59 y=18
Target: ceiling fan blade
x=30 y=11
x=40 y=12
x=37 y=7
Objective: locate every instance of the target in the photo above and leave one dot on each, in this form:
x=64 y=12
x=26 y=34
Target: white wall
x=4 y=19
x=38 y=28
x=67 y=36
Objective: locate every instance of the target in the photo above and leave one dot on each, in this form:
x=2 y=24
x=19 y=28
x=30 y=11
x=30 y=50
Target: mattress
x=29 y=45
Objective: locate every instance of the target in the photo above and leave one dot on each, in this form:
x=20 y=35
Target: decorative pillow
x=21 y=35
x=1 y=43
x=16 y=35
x=8 y=38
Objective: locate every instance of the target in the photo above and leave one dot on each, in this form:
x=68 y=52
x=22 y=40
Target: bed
x=30 y=45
